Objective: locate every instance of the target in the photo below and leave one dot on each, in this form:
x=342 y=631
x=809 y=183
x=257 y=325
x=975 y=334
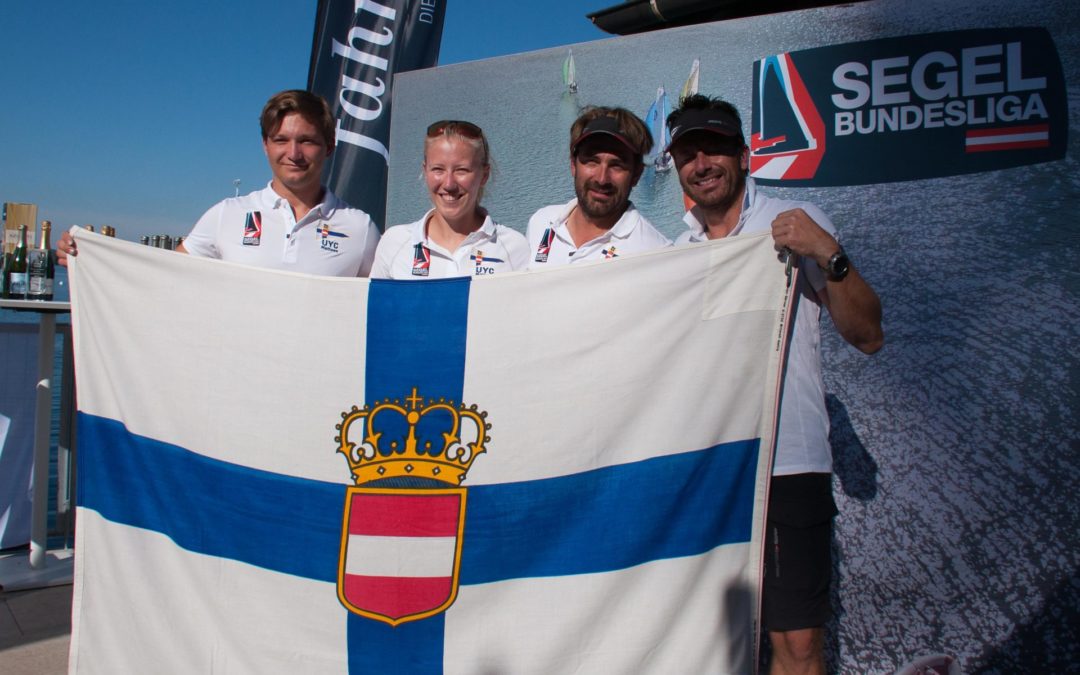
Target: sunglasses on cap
x=460 y=127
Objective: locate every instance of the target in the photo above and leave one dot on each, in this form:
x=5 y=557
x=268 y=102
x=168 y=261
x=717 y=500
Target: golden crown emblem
x=383 y=448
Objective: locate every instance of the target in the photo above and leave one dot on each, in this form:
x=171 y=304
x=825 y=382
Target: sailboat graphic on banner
x=788 y=138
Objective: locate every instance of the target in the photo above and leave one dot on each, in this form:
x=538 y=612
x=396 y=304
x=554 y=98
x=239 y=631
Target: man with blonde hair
x=601 y=223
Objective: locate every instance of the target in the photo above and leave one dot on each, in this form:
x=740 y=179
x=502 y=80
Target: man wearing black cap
x=606 y=149
x=711 y=157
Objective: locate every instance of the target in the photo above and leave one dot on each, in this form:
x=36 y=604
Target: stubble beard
x=598 y=211
x=722 y=201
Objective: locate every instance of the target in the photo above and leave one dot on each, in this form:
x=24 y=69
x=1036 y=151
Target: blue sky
x=141 y=115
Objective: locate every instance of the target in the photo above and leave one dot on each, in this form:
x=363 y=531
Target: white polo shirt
x=406 y=252
x=803 y=439
x=259 y=229
x=551 y=245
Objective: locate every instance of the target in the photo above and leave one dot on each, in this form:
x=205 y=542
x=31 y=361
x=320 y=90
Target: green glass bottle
x=5 y=255
x=5 y=261
x=16 y=274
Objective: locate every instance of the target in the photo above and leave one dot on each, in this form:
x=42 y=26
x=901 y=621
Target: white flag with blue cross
x=555 y=471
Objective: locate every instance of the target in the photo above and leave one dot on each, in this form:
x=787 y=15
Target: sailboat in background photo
x=690 y=87
x=569 y=72
x=656 y=121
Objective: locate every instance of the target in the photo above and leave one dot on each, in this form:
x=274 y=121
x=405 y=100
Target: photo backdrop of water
x=954 y=448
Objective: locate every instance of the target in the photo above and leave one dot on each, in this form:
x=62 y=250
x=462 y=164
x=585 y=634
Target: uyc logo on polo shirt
x=481 y=268
x=328 y=239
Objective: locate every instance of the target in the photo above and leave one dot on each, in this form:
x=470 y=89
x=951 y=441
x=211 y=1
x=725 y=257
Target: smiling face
x=296 y=151
x=604 y=172
x=455 y=176
x=712 y=168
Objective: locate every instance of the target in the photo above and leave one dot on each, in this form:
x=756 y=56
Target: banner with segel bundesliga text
x=555 y=471
x=906 y=108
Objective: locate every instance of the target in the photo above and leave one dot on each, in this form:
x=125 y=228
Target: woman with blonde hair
x=456 y=237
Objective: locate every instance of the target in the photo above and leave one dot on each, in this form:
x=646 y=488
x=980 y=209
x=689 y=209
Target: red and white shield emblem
x=400 y=552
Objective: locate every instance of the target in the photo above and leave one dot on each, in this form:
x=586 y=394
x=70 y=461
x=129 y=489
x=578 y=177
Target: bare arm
x=855 y=310
x=854 y=306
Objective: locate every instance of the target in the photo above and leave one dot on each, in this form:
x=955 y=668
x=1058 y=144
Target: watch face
x=838 y=266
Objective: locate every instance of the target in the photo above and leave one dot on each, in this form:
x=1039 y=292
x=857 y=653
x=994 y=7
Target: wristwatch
x=838 y=265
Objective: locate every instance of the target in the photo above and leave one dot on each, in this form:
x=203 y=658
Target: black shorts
x=798 y=556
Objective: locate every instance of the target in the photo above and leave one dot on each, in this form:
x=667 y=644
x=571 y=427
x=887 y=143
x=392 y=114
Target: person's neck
x=301 y=201
x=584 y=229
x=450 y=234
x=721 y=220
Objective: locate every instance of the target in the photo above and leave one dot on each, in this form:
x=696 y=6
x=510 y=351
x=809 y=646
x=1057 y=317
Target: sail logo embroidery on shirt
x=253 y=228
x=544 y=249
x=421 y=262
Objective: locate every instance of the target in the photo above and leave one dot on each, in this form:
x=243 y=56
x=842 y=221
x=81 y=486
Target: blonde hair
x=466 y=132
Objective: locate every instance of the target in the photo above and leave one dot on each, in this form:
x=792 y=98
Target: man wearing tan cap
x=601 y=223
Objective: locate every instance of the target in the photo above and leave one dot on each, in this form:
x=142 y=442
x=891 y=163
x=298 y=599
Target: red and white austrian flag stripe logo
x=1007 y=138
x=401 y=554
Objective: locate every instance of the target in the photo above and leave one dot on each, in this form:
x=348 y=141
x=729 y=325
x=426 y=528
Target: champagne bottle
x=16 y=274
x=41 y=269
x=5 y=254
x=5 y=262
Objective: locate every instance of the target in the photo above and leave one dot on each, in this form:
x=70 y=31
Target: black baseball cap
x=704 y=119
x=604 y=125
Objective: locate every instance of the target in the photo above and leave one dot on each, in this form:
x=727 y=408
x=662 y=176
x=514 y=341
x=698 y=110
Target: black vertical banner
x=358 y=47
